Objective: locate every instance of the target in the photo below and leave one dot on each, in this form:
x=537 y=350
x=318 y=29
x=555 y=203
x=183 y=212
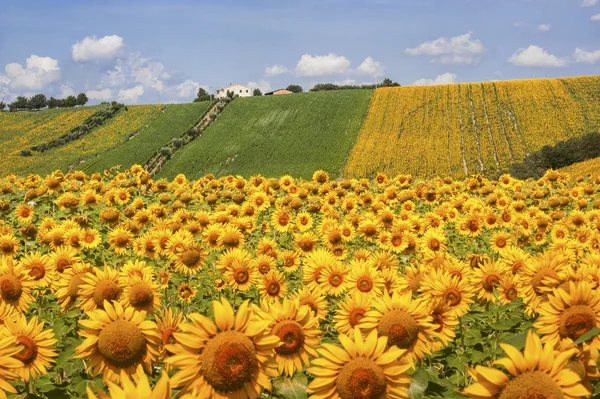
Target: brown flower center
x=490 y=281
x=191 y=257
x=272 y=288
x=356 y=316
x=576 y=321
x=361 y=378
x=29 y=352
x=37 y=271
x=241 y=276
x=452 y=296
x=336 y=279
x=11 y=288
x=291 y=335
x=141 y=296
x=122 y=344
x=229 y=361
x=401 y=328
x=74 y=284
x=364 y=284
x=434 y=244
x=532 y=385
x=106 y=290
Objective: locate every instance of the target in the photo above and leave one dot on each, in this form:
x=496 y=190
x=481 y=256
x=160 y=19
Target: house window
x=246 y=90
x=240 y=91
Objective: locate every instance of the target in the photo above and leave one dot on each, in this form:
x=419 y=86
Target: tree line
x=39 y=101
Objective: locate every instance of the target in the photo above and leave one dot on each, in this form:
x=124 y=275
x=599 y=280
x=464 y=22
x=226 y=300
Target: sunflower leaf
x=291 y=388
x=588 y=335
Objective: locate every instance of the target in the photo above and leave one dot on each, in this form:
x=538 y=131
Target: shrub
x=25 y=153
x=177 y=142
x=166 y=152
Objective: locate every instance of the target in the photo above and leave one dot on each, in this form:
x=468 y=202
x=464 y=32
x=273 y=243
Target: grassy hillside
x=275 y=135
x=21 y=130
x=470 y=128
x=98 y=141
x=172 y=122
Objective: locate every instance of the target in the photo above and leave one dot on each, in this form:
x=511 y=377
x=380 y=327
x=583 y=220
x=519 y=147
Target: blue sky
x=150 y=51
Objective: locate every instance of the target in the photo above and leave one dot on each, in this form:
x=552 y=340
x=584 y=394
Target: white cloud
x=454 y=50
x=322 y=65
x=100 y=95
x=131 y=95
x=445 y=78
x=370 y=67
x=544 y=27
x=263 y=85
x=275 y=70
x=588 y=3
x=595 y=17
x=66 y=90
x=38 y=72
x=187 y=88
x=535 y=56
x=590 y=57
x=93 y=49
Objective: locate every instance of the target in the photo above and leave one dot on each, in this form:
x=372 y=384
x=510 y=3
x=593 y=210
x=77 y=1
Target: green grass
x=170 y=123
x=275 y=135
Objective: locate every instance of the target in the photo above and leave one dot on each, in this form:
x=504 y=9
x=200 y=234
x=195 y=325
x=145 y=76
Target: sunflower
x=241 y=274
x=63 y=258
x=91 y=239
x=369 y=228
x=73 y=237
x=37 y=345
x=24 y=213
x=231 y=237
x=190 y=259
x=15 y=285
x=486 y=278
x=412 y=277
x=267 y=246
x=540 y=275
x=332 y=279
x=40 y=269
x=500 y=241
x=99 y=286
x=314 y=299
x=135 y=268
x=360 y=369
x=405 y=321
x=434 y=240
x=9 y=245
x=445 y=320
x=141 y=294
x=442 y=287
x=514 y=258
x=120 y=240
x=291 y=261
x=186 y=292
x=8 y=365
x=117 y=340
x=227 y=358
x=138 y=387
x=273 y=286
x=569 y=314
x=168 y=321
x=535 y=373
x=281 y=220
x=314 y=266
x=350 y=312
x=303 y=221
x=305 y=242
x=67 y=286
x=298 y=330
x=364 y=279
x=509 y=288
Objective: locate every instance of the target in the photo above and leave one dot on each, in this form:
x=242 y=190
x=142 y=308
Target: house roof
x=271 y=92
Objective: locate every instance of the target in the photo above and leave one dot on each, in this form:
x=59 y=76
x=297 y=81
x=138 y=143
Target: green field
x=172 y=122
x=276 y=135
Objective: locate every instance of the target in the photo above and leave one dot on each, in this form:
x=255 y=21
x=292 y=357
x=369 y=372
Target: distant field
x=275 y=135
x=473 y=128
x=172 y=122
x=585 y=168
x=21 y=130
x=99 y=140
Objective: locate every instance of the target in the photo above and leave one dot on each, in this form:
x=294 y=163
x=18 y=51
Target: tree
x=37 y=102
x=257 y=92
x=295 y=88
x=70 y=102
x=2 y=105
x=53 y=103
x=202 y=92
x=81 y=99
x=19 y=103
x=387 y=82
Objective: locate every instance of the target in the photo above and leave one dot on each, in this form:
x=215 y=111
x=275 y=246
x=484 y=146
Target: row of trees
x=39 y=101
x=330 y=86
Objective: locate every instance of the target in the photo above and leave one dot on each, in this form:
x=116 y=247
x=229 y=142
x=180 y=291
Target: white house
x=239 y=90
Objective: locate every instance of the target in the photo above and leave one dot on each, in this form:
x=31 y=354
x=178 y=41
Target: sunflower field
x=470 y=128
x=117 y=285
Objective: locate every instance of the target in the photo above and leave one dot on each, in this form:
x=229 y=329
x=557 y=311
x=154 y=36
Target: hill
x=275 y=135
x=21 y=130
x=591 y=167
x=171 y=122
x=473 y=128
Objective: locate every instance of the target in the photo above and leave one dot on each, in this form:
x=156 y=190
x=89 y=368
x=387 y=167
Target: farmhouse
x=240 y=90
x=278 y=92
